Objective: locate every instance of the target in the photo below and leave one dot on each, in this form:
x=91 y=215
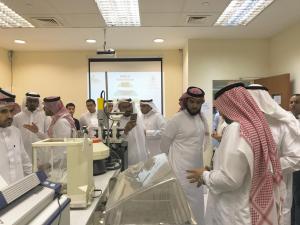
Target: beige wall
x=225 y=60
x=5 y=73
x=65 y=74
x=285 y=55
x=185 y=78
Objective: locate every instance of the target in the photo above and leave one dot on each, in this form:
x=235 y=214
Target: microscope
x=112 y=135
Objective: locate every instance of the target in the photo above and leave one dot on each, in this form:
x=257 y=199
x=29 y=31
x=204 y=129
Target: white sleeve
x=290 y=152
x=16 y=122
x=165 y=144
x=156 y=134
x=26 y=163
x=234 y=165
x=168 y=135
x=47 y=123
x=82 y=121
x=42 y=135
x=62 y=129
x=207 y=139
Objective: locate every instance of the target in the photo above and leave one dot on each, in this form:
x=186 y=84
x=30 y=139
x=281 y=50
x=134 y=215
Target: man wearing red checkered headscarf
x=62 y=124
x=183 y=139
x=244 y=185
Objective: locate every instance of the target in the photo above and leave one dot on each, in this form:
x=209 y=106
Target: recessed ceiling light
x=205 y=3
x=120 y=12
x=90 y=41
x=9 y=18
x=158 y=40
x=241 y=12
x=20 y=42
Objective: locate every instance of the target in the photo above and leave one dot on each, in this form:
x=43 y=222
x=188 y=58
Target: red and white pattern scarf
x=238 y=105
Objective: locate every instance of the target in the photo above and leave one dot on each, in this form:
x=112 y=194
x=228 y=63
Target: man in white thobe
x=31 y=113
x=246 y=178
x=62 y=124
x=295 y=220
x=14 y=161
x=89 y=119
x=133 y=132
x=154 y=124
x=183 y=139
x=286 y=134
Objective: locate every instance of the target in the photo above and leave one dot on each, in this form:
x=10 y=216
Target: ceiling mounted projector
x=105 y=51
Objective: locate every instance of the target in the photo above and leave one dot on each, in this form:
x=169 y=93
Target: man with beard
x=286 y=133
x=14 y=161
x=31 y=113
x=244 y=186
x=62 y=124
x=183 y=139
x=133 y=132
x=295 y=110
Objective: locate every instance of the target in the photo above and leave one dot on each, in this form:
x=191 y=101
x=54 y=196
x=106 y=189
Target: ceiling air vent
x=46 y=22
x=199 y=19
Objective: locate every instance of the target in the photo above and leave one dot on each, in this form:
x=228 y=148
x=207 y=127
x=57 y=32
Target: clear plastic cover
x=148 y=193
x=67 y=161
x=53 y=161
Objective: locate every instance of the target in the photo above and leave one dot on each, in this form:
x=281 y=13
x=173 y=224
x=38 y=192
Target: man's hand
x=31 y=127
x=195 y=175
x=129 y=126
x=216 y=136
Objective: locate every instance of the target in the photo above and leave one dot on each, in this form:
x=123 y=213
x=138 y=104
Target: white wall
x=5 y=73
x=210 y=60
x=285 y=55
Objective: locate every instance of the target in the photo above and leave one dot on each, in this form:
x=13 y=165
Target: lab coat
x=137 y=151
x=14 y=161
x=154 y=124
x=26 y=117
x=183 y=139
x=229 y=183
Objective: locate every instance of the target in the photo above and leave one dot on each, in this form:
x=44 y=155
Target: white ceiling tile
x=159 y=6
x=30 y=6
x=74 y=6
x=163 y=18
x=159 y=19
x=84 y=20
x=200 y=6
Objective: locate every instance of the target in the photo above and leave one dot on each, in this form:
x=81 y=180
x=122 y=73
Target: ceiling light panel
x=10 y=19
x=241 y=12
x=120 y=12
x=20 y=42
x=158 y=40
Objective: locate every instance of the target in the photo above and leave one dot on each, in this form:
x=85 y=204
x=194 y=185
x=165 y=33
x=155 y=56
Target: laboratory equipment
x=67 y=161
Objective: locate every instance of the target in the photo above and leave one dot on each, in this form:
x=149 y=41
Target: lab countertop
x=83 y=216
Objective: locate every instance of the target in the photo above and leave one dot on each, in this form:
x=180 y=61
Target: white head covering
x=32 y=95
x=119 y=101
x=151 y=104
x=8 y=99
x=271 y=108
